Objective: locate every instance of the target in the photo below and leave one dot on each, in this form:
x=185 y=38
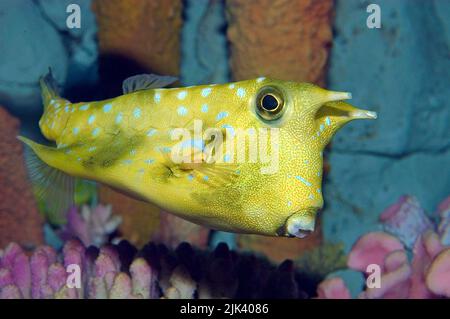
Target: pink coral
x=333 y=288
x=426 y=276
x=372 y=249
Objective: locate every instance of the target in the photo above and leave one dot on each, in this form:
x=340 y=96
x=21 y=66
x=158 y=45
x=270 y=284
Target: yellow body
x=126 y=142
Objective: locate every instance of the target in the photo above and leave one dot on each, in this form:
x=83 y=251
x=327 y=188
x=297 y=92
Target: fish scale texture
x=297 y=35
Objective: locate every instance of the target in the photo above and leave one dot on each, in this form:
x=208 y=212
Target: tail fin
x=54 y=188
x=56 y=109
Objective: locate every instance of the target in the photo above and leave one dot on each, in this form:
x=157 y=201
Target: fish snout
x=300 y=224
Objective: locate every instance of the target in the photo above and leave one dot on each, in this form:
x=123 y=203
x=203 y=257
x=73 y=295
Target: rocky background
x=399 y=70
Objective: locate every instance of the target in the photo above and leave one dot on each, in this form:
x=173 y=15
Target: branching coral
x=120 y=271
x=427 y=275
x=92 y=225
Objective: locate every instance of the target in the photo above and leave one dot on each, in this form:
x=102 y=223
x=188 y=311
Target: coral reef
x=297 y=34
x=92 y=225
x=145 y=33
x=19 y=218
x=425 y=276
x=121 y=271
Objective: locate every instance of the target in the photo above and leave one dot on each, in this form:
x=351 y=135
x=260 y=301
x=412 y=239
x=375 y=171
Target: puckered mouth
x=300 y=224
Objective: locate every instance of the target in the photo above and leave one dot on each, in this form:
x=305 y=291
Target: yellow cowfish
x=240 y=157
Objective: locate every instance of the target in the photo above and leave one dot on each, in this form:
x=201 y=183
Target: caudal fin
x=56 y=109
x=53 y=188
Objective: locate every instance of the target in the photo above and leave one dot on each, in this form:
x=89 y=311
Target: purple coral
x=406 y=219
x=92 y=225
x=43 y=276
x=427 y=275
x=120 y=271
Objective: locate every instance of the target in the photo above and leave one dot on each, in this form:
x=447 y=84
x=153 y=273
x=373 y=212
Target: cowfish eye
x=270 y=103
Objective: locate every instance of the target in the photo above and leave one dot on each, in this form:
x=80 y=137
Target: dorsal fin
x=146 y=81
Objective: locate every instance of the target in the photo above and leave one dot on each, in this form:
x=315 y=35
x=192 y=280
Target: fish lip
x=300 y=225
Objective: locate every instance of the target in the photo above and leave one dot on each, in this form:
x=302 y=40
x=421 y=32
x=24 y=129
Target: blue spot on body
x=107 y=107
x=76 y=130
x=165 y=149
x=319 y=191
x=137 y=113
x=206 y=92
x=133 y=152
x=119 y=118
x=182 y=95
x=193 y=144
x=91 y=119
x=95 y=131
x=66 y=109
x=327 y=121
x=311 y=196
x=84 y=107
x=182 y=111
x=206 y=177
x=190 y=177
x=240 y=92
x=157 y=97
x=151 y=132
x=227 y=158
x=127 y=161
x=91 y=149
x=221 y=116
x=289 y=203
x=149 y=161
x=205 y=108
x=229 y=129
x=304 y=181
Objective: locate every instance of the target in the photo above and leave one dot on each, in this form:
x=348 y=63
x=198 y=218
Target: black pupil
x=269 y=102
